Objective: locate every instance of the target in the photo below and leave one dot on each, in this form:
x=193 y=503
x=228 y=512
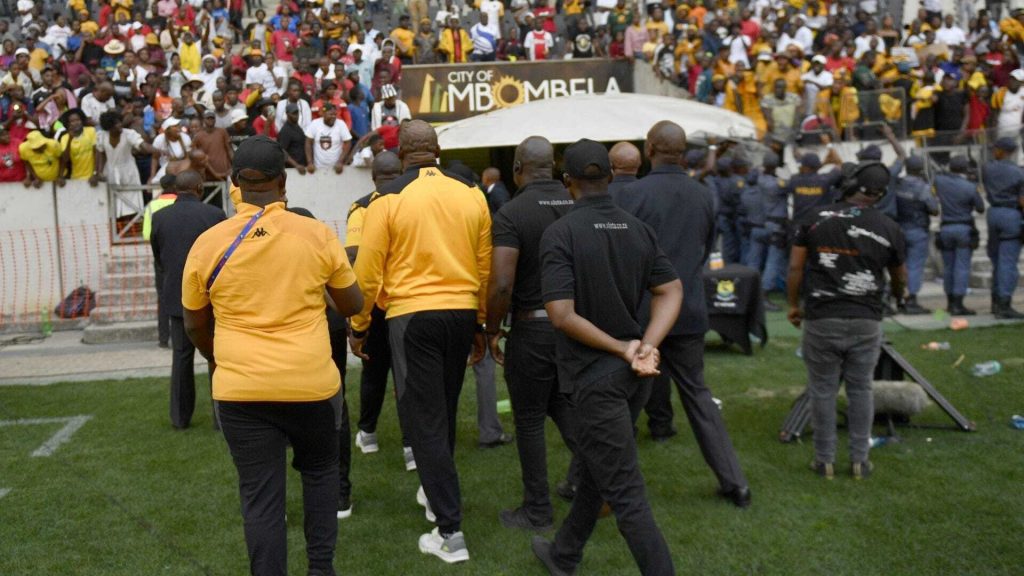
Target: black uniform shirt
x=848 y=250
x=293 y=140
x=681 y=212
x=605 y=260
x=520 y=224
x=812 y=191
x=175 y=229
x=619 y=182
x=959 y=198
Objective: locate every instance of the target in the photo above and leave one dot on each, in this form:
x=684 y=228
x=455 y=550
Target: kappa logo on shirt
x=260 y=233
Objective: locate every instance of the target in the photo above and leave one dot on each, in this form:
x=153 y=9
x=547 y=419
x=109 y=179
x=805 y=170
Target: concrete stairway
x=126 y=303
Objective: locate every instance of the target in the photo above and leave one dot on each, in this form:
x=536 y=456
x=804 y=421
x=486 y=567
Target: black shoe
x=542 y=549
x=770 y=306
x=660 y=436
x=519 y=519
x=565 y=491
x=957 y=308
x=1006 y=311
x=499 y=441
x=912 y=308
x=164 y=345
x=344 y=507
x=740 y=497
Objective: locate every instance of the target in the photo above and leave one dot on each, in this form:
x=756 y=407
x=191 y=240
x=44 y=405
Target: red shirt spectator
x=750 y=29
x=548 y=14
x=343 y=114
x=833 y=63
x=283 y=42
x=260 y=123
x=978 y=112
x=12 y=169
x=307 y=80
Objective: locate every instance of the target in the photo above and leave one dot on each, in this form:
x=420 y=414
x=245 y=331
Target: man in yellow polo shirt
x=427 y=245
x=263 y=273
x=41 y=156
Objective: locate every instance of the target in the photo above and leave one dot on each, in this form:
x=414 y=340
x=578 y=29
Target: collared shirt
x=174 y=229
x=753 y=202
x=520 y=224
x=271 y=341
x=427 y=244
x=848 y=250
x=355 y=220
x=914 y=202
x=1004 y=183
x=681 y=212
x=619 y=182
x=605 y=260
x=773 y=193
x=958 y=197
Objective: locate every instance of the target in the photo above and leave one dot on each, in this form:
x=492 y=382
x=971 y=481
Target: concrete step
x=113 y=315
x=144 y=331
x=130 y=264
x=981 y=280
x=126 y=298
x=126 y=281
x=981 y=265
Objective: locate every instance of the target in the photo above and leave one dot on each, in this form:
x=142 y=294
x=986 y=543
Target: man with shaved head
x=626 y=160
x=531 y=369
x=681 y=212
x=426 y=246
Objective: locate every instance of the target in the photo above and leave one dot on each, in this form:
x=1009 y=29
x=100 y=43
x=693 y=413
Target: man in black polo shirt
x=531 y=369
x=598 y=264
x=681 y=212
x=175 y=229
x=839 y=258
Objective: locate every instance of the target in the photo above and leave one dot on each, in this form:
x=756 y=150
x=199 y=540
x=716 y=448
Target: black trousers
x=163 y=320
x=682 y=359
x=339 y=353
x=258 y=434
x=531 y=373
x=183 y=378
x=373 y=382
x=606 y=410
x=430 y=350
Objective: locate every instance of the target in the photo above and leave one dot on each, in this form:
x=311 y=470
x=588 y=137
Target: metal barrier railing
x=127 y=206
x=863 y=113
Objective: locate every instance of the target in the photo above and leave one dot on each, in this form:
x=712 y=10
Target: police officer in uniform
x=753 y=204
x=373 y=379
x=531 y=368
x=741 y=181
x=914 y=204
x=776 y=224
x=598 y=264
x=680 y=212
x=811 y=189
x=725 y=210
x=957 y=237
x=1004 y=186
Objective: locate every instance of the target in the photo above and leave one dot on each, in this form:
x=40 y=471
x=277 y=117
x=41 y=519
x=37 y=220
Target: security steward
x=809 y=188
x=958 y=237
x=174 y=230
x=626 y=160
x=776 y=215
x=531 y=368
x=755 y=222
x=680 y=212
x=915 y=203
x=166 y=198
x=726 y=218
x=373 y=380
x=271 y=355
x=1004 y=186
x=741 y=180
x=426 y=246
x=842 y=276
x=598 y=264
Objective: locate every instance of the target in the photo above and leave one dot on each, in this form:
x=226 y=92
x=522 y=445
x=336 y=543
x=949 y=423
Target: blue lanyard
x=231 y=249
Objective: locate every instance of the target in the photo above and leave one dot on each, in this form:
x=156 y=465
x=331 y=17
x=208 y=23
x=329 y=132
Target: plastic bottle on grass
x=1017 y=421
x=989 y=368
x=935 y=346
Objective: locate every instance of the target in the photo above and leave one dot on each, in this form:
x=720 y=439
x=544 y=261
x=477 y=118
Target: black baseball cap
x=259 y=154
x=587 y=160
x=959 y=164
x=873 y=177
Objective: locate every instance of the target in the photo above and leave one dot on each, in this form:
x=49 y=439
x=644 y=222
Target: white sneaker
x=367 y=442
x=344 y=508
x=421 y=499
x=410 y=460
x=451 y=549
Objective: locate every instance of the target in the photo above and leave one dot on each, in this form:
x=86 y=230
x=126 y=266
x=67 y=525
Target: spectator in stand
x=389 y=105
x=12 y=169
x=216 y=143
x=293 y=96
x=77 y=145
x=484 y=41
x=172 y=145
x=539 y=42
x=293 y=139
x=327 y=142
x=455 y=43
x=41 y=156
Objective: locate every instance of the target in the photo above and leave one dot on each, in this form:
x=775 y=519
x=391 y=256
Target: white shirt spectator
x=738 y=46
x=261 y=75
x=120 y=168
x=484 y=41
x=327 y=141
x=170 y=151
x=210 y=78
x=363 y=158
x=805 y=38
x=533 y=37
x=494 y=10
x=92 y=107
x=784 y=41
x=952 y=36
x=862 y=44
x=305 y=114
x=26 y=6
x=380 y=110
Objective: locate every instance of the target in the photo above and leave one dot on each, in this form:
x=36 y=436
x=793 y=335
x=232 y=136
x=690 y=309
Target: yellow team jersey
x=45 y=162
x=271 y=342
x=82 y=161
x=426 y=241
